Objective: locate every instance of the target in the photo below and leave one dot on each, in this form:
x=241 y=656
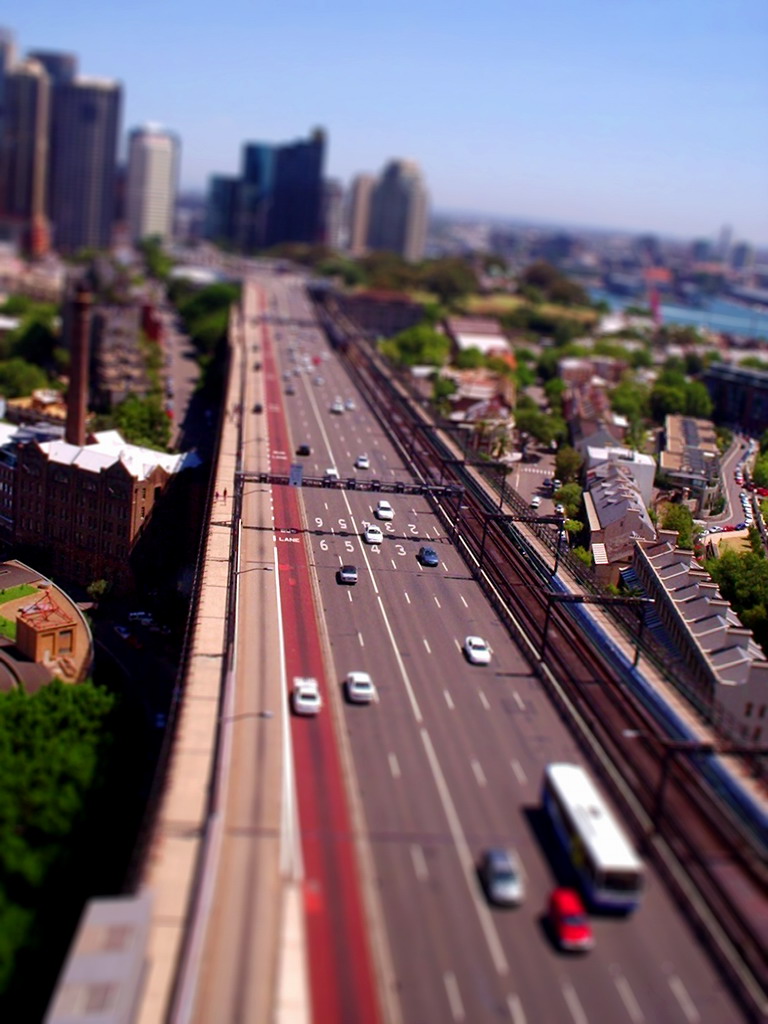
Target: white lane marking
x=519 y=700
x=515 y=1008
x=483 y=700
x=458 y=644
x=463 y=601
x=465 y=858
x=687 y=1005
x=394 y=563
x=406 y=680
x=448 y=700
x=520 y=775
x=477 y=768
x=445 y=567
x=577 y=1010
x=628 y=998
x=349 y=595
x=454 y=996
x=360 y=637
x=406 y=597
x=419 y=862
x=394 y=766
x=426 y=645
x=438 y=603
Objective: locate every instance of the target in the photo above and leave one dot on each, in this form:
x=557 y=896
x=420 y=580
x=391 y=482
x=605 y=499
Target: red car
x=569 y=922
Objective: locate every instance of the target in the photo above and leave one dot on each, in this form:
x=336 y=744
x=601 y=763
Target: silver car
x=502 y=877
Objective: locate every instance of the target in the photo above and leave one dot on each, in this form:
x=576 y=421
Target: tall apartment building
x=24 y=156
x=85 y=118
x=359 y=213
x=153 y=170
x=7 y=60
x=278 y=197
x=61 y=67
x=398 y=217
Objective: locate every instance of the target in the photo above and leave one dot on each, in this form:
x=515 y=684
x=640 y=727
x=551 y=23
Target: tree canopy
x=419 y=345
x=679 y=518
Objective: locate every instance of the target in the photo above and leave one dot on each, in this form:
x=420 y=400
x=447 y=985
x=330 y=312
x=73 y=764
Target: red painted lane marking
x=342 y=981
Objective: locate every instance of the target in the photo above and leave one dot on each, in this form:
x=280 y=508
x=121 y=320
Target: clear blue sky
x=639 y=114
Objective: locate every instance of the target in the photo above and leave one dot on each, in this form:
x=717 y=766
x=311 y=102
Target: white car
x=350 y=404
x=477 y=650
x=331 y=473
x=305 y=698
x=384 y=510
x=359 y=688
x=560 y=509
x=337 y=406
x=362 y=462
x=535 y=501
x=373 y=534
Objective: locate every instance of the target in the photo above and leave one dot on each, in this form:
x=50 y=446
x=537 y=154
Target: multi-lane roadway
x=374 y=816
x=449 y=760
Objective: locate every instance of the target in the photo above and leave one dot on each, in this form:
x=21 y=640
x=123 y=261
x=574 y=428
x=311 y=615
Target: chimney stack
x=77 y=396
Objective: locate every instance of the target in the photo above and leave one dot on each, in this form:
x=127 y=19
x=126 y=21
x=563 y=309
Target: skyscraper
x=153 y=167
x=398 y=220
x=359 y=213
x=61 y=67
x=84 y=130
x=278 y=198
x=24 y=156
x=7 y=60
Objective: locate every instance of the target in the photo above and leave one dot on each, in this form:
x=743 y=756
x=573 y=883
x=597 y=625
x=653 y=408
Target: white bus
x=609 y=870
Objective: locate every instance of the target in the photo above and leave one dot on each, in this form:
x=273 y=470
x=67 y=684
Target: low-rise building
x=690 y=458
x=730 y=668
x=616 y=515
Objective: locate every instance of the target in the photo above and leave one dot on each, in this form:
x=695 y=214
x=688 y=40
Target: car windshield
x=574 y=920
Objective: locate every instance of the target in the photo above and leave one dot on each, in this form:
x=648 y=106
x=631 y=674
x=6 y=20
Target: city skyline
x=597 y=114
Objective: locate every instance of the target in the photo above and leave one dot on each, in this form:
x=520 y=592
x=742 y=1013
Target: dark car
x=303 y=449
x=347 y=574
x=258 y=407
x=428 y=557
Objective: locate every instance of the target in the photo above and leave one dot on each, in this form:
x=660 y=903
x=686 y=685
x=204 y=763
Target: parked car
x=428 y=557
x=502 y=876
x=477 y=650
x=359 y=688
x=568 y=919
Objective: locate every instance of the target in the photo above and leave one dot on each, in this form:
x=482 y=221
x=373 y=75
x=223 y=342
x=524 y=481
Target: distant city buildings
x=359 y=213
x=277 y=198
x=152 y=180
x=397 y=217
x=84 y=134
x=24 y=156
x=59 y=182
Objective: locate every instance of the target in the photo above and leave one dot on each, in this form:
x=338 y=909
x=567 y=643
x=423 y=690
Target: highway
x=449 y=761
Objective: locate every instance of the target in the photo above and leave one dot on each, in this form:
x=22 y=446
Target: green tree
x=760 y=471
x=143 y=421
x=469 y=359
x=743 y=581
x=697 y=400
x=19 y=378
x=630 y=399
x=680 y=519
x=419 y=345
x=568 y=463
x=571 y=496
x=666 y=400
